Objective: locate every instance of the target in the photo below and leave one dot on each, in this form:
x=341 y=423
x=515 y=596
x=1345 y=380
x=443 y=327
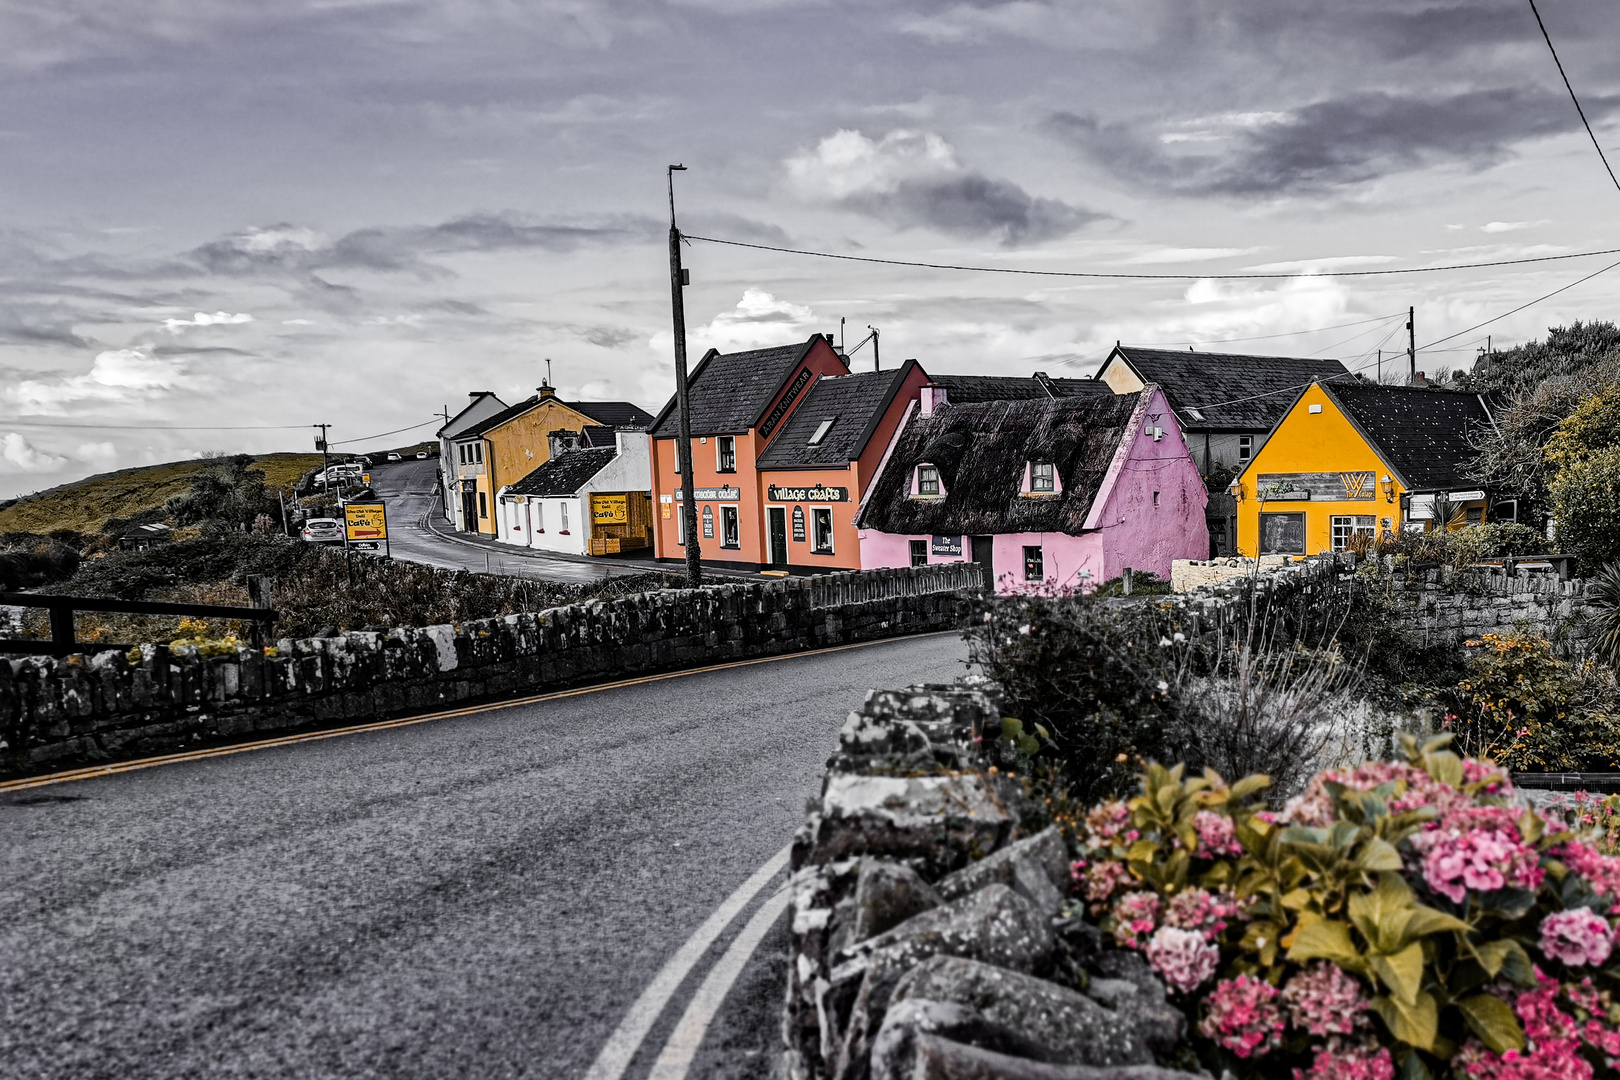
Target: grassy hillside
x=85 y=505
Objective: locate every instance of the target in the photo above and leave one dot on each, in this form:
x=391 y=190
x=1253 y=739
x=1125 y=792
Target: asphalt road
x=476 y=897
x=408 y=489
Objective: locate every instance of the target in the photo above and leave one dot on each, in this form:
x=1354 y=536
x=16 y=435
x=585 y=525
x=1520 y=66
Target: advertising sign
x=1304 y=487
x=812 y=494
x=719 y=494
x=945 y=545
x=610 y=509
x=798 y=524
x=708 y=523
x=784 y=403
x=366 y=521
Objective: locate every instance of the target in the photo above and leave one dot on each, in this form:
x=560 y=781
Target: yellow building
x=1349 y=458
x=511 y=444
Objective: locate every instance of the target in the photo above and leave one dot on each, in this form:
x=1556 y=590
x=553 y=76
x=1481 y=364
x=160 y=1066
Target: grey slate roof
x=966 y=389
x=609 y=413
x=453 y=429
x=980 y=449
x=1259 y=388
x=856 y=403
x=564 y=474
x=730 y=391
x=1422 y=433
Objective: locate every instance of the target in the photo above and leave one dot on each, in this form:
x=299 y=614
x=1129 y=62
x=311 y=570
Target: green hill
x=85 y=505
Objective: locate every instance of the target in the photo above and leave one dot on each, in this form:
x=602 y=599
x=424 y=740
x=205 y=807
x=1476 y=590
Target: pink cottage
x=1046 y=494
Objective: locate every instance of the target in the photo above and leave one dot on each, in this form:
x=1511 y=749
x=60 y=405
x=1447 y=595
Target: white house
x=586 y=501
x=482 y=406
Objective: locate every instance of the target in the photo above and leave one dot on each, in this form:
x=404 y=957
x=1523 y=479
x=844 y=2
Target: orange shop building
x=784 y=442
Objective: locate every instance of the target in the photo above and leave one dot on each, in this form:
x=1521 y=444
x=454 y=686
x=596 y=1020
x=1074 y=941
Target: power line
x=1149 y=277
x=1269 y=337
x=380 y=434
x=1521 y=307
x=158 y=427
x=1582 y=112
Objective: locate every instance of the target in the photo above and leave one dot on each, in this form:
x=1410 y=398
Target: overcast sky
x=357 y=211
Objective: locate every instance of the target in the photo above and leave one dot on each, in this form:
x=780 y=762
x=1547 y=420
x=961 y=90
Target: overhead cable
x=1521 y=307
x=1582 y=112
x=1151 y=277
x=380 y=434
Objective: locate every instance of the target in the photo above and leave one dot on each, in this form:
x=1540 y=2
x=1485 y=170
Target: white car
x=421 y=455
x=391 y=456
x=323 y=531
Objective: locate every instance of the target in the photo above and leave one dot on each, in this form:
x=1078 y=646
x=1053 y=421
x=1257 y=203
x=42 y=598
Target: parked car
x=421 y=455
x=391 y=456
x=323 y=531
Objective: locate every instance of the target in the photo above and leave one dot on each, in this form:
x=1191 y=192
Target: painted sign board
x=708 y=523
x=719 y=494
x=811 y=494
x=610 y=509
x=945 y=545
x=798 y=524
x=785 y=402
x=1326 y=486
x=366 y=521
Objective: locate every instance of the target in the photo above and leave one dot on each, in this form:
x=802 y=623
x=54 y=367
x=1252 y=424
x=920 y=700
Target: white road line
x=627 y=1037
x=684 y=1041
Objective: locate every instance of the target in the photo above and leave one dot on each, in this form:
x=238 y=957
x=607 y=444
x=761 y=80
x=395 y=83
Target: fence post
x=62 y=640
x=258 y=587
x=1125 y=580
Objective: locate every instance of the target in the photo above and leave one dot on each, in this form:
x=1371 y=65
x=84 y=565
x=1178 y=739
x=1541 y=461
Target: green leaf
x=1378 y=854
x=1381 y=914
x=1446 y=767
x=1493 y=1022
x=1248 y=786
x=1401 y=972
x=1413 y=1068
x=1325 y=939
x=1414 y=1024
x=1426 y=920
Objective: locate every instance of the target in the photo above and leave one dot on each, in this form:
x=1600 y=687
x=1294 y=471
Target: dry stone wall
x=110 y=705
x=931 y=935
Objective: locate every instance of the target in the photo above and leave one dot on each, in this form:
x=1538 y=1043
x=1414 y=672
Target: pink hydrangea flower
x=1135 y=914
x=1202 y=910
x=1216 y=835
x=1182 y=957
x=1110 y=821
x=1324 y=1000
x=1483 y=859
x=1577 y=937
x=1552 y=1046
x=1241 y=1014
x=1102 y=879
x=1354 y=1062
x=1602 y=872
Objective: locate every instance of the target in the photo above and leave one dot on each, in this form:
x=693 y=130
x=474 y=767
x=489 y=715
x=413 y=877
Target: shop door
x=984 y=555
x=777 y=516
x=469 y=511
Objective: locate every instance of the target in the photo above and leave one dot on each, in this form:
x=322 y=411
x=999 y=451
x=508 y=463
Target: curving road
x=481 y=897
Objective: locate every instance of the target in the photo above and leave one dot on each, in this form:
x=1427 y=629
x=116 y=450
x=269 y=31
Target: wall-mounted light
x=1389 y=488
x=1237 y=490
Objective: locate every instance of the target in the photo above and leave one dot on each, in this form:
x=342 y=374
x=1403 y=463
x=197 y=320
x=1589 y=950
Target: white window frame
x=539 y=515
x=1245 y=447
x=1343 y=526
x=725 y=446
x=819 y=514
x=562 y=505
x=730 y=528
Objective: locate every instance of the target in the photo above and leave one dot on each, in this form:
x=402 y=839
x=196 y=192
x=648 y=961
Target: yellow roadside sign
x=366 y=521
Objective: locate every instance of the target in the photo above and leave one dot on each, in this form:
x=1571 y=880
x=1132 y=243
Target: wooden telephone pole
x=1411 y=346
x=683 y=405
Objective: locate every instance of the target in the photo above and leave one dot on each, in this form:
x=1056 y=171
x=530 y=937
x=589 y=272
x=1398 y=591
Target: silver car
x=323 y=531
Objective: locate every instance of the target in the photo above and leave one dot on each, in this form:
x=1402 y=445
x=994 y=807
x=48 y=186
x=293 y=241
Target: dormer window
x=1042 y=478
x=822 y=429
x=927 y=480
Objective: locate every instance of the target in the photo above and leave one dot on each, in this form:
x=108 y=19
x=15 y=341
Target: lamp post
x=683 y=445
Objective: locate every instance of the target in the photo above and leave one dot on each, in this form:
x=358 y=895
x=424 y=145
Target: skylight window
x=1195 y=413
x=822 y=429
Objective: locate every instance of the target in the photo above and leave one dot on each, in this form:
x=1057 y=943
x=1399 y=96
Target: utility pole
x=320 y=444
x=1411 y=346
x=1380 y=367
x=683 y=404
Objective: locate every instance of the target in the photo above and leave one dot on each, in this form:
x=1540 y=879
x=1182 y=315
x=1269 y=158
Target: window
x=1282 y=534
x=927 y=480
x=1034 y=564
x=822 y=429
x=563 y=508
x=728 y=527
x=821 y=531
x=680 y=526
x=919 y=553
x=725 y=448
x=461 y=454
x=1476 y=515
x=514 y=518
x=1155 y=498
x=1041 y=477
x=539 y=516
x=483 y=505
x=1346 y=527
x=1245 y=447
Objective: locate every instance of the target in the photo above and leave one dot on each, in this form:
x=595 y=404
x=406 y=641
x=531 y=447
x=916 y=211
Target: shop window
x=728 y=527
x=821 y=531
x=1034 y=564
x=1344 y=528
x=927 y=480
x=1282 y=534
x=919 y=553
x=1042 y=478
x=725 y=448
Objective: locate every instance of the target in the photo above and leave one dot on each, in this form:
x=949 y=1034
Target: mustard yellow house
x=1353 y=458
x=504 y=448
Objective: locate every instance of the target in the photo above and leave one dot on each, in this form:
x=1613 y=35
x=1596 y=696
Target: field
x=85 y=505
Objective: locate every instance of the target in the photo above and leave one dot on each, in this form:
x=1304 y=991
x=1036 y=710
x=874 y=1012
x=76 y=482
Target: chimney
x=546 y=391
x=932 y=398
x=1417 y=378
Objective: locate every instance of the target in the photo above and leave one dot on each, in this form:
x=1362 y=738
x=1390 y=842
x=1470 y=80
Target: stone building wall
x=87 y=708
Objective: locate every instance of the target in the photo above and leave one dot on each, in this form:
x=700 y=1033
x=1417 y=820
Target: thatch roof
x=981 y=449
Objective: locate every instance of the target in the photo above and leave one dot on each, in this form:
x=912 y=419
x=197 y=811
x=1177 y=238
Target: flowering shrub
x=1400 y=917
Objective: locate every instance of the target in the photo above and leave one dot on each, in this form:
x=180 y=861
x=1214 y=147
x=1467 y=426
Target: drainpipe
x=489 y=476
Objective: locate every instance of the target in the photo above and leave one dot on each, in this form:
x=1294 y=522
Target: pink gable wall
x=1129 y=529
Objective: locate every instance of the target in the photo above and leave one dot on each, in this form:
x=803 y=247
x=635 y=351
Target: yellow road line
x=383 y=725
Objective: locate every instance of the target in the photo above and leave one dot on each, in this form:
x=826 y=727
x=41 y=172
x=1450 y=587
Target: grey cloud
x=1331 y=144
x=974 y=205
x=611 y=337
x=198 y=350
x=733 y=227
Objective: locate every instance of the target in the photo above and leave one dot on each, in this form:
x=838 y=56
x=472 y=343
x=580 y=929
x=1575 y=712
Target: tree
x=1586 y=501
x=230 y=494
x=1567 y=350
